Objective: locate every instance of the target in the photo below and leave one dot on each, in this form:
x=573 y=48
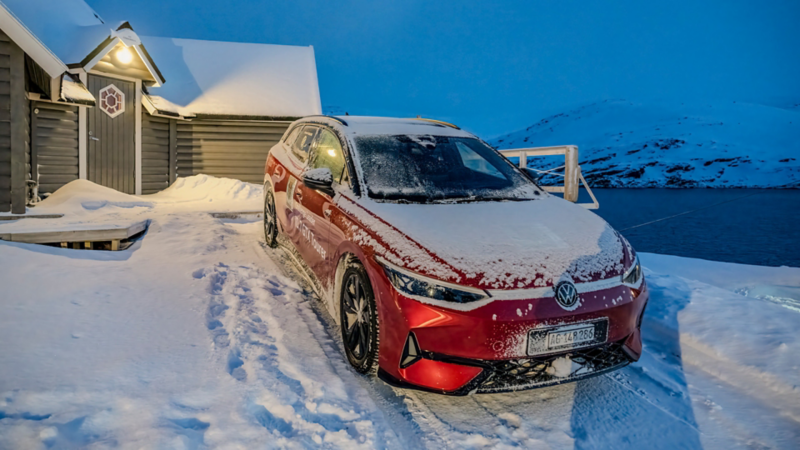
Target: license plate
x=567 y=337
x=570 y=338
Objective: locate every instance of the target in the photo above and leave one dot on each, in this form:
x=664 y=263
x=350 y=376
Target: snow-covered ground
x=628 y=144
x=198 y=336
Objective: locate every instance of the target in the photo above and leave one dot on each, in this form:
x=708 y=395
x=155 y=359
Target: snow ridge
x=628 y=144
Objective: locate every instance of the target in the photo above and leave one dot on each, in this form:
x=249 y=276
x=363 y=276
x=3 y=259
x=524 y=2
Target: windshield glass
x=425 y=169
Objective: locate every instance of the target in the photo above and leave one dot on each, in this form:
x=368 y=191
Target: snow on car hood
x=498 y=245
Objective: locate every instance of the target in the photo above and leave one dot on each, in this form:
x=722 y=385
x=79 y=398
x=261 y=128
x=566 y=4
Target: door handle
x=298 y=195
x=94 y=138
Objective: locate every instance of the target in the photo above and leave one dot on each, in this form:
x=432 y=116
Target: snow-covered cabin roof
x=70 y=29
x=236 y=79
x=64 y=34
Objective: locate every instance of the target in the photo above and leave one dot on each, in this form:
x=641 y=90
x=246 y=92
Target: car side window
x=292 y=136
x=302 y=145
x=328 y=153
x=473 y=161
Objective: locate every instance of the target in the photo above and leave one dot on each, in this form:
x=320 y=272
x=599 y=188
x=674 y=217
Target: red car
x=447 y=267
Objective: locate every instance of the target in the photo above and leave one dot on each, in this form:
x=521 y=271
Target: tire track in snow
x=328 y=334
x=284 y=346
x=292 y=389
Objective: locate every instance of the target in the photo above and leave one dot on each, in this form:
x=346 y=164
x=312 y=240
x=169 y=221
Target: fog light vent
x=411 y=352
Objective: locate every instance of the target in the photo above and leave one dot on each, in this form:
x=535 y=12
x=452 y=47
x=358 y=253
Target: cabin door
x=111 y=129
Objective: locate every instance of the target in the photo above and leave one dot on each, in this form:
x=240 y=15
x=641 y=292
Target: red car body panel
x=323 y=233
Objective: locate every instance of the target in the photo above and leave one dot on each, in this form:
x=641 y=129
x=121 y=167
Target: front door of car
x=318 y=206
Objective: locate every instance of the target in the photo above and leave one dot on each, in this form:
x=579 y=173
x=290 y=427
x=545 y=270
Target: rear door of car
x=291 y=207
x=280 y=169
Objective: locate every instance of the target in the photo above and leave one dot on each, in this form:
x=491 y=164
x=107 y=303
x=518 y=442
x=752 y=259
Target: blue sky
x=495 y=67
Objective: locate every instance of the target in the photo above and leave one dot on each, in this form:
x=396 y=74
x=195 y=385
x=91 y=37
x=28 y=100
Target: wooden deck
x=84 y=236
x=30 y=216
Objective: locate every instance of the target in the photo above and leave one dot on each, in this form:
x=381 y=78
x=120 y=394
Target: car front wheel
x=359 y=319
x=270 y=219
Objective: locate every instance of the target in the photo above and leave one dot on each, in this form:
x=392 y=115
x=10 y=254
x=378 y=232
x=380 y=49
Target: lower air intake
x=519 y=374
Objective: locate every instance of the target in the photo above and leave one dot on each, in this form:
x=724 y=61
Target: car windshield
x=426 y=169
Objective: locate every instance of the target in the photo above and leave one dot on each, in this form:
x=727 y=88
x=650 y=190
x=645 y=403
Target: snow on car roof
x=70 y=29
x=233 y=78
x=368 y=125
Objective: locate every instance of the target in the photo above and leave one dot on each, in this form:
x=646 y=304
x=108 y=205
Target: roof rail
x=328 y=117
x=447 y=124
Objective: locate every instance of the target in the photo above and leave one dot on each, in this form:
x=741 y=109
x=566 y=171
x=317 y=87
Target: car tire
x=358 y=316
x=270 y=218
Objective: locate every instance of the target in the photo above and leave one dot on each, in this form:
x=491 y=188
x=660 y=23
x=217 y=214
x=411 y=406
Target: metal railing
x=573 y=177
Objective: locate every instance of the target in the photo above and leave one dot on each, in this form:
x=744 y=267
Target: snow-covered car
x=446 y=266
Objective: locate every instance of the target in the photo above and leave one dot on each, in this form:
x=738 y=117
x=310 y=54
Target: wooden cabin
x=84 y=99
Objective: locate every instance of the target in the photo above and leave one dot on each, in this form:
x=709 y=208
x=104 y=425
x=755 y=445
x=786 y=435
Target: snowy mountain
x=626 y=144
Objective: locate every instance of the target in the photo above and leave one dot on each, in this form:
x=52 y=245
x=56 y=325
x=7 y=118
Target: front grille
x=519 y=374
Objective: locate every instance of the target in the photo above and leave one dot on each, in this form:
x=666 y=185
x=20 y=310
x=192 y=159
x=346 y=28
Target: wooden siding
x=13 y=133
x=26 y=104
x=54 y=145
x=232 y=149
x=5 y=123
x=155 y=153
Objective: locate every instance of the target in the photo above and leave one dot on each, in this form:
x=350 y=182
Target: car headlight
x=415 y=285
x=633 y=275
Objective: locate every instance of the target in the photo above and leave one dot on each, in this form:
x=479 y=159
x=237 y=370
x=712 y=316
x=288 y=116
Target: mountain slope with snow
x=627 y=144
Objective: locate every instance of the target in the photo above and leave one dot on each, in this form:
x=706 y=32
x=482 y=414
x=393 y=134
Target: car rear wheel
x=270 y=219
x=359 y=319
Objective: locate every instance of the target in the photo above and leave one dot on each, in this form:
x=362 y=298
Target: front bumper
x=521 y=374
x=486 y=349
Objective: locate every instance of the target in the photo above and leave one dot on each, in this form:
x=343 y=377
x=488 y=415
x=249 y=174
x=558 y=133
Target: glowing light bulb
x=332 y=152
x=124 y=56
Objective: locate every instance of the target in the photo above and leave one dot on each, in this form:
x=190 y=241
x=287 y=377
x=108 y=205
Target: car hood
x=497 y=245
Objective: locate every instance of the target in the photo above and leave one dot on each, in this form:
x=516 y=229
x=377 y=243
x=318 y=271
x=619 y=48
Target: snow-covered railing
x=572 y=170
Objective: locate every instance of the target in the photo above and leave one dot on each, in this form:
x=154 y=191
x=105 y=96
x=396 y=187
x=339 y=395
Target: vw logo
x=566 y=294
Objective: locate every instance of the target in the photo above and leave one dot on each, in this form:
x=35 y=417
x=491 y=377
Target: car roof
x=367 y=125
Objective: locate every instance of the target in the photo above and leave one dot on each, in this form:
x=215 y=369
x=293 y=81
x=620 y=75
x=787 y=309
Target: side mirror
x=319 y=179
x=532 y=174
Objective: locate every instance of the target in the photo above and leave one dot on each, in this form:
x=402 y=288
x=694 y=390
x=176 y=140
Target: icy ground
x=628 y=144
x=199 y=337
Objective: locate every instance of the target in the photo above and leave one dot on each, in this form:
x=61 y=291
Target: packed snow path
x=198 y=336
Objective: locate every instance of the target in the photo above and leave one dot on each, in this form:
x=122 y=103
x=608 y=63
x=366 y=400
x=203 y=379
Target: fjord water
x=763 y=228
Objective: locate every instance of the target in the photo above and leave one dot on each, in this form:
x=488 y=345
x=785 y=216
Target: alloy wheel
x=270 y=220
x=359 y=320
